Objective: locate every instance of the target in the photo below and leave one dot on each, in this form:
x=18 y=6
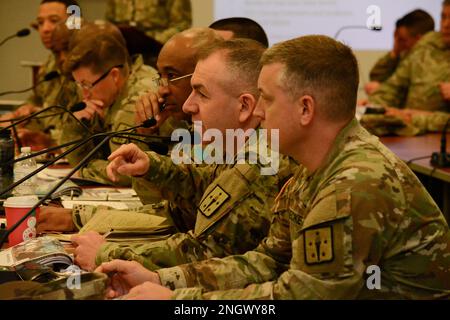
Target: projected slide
x=285 y=19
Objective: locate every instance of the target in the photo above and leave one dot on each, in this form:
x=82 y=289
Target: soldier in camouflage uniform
x=159 y=20
x=353 y=207
x=173 y=94
x=421 y=83
x=58 y=91
x=408 y=30
x=233 y=200
x=111 y=82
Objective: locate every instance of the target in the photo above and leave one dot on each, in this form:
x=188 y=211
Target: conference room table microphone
x=157 y=147
x=441 y=159
x=76 y=107
x=21 y=33
x=49 y=76
x=371 y=28
x=160 y=147
x=108 y=136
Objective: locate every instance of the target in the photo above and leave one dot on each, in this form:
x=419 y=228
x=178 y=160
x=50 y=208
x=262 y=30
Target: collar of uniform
x=137 y=62
x=431 y=39
x=338 y=146
x=250 y=146
x=48 y=66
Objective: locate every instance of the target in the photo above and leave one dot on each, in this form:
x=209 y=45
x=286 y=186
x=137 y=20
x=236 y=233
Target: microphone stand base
x=440 y=160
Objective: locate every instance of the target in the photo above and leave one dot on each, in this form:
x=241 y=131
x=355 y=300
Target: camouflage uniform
x=363 y=207
x=81 y=213
x=160 y=20
x=382 y=125
x=232 y=204
x=60 y=91
x=415 y=83
x=38 y=96
x=119 y=116
x=384 y=68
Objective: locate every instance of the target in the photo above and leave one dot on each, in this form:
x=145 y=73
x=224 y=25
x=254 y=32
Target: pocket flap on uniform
x=326 y=210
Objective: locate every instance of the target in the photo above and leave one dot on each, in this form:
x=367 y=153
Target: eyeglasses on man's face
x=161 y=81
x=89 y=86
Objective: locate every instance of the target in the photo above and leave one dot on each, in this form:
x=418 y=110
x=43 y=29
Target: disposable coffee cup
x=15 y=209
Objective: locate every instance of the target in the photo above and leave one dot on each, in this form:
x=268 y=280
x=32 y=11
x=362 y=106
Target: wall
x=18 y=14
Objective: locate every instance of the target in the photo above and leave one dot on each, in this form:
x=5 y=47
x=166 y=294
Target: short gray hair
x=242 y=60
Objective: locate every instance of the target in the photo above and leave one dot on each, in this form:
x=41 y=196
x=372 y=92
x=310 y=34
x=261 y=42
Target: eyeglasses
x=89 y=86
x=164 y=81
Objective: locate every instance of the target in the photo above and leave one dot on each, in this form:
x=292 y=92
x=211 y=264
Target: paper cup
x=15 y=209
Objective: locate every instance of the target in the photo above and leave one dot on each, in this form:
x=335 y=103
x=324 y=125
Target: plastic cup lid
x=21 y=202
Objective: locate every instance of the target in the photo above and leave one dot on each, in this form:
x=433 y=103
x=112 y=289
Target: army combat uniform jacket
x=230 y=204
x=119 y=116
x=362 y=210
x=59 y=91
x=159 y=19
x=384 y=68
x=415 y=83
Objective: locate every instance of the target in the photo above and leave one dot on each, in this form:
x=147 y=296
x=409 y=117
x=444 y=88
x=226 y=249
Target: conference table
x=416 y=152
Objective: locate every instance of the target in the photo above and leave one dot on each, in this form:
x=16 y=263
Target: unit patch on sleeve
x=213 y=201
x=319 y=245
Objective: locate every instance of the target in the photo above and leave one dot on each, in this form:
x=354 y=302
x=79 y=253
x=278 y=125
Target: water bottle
x=23 y=168
x=6 y=155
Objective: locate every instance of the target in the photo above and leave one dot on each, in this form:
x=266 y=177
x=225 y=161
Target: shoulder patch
x=213 y=201
x=319 y=247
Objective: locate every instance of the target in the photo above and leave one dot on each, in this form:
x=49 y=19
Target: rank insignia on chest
x=319 y=245
x=213 y=201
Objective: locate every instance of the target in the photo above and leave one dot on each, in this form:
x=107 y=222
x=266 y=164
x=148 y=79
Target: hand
x=55 y=219
x=362 y=102
x=149 y=291
x=149 y=106
x=128 y=160
x=22 y=111
x=371 y=87
x=125 y=275
x=399 y=46
x=405 y=114
x=37 y=140
x=92 y=107
x=87 y=246
x=445 y=90
x=25 y=110
x=6 y=116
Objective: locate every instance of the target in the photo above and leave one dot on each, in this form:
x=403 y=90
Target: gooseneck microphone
x=150 y=122
x=107 y=135
x=49 y=76
x=159 y=147
x=78 y=143
x=19 y=34
x=38 y=117
x=372 y=28
x=441 y=159
x=78 y=106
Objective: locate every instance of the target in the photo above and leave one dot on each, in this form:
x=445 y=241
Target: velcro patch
x=319 y=247
x=213 y=201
